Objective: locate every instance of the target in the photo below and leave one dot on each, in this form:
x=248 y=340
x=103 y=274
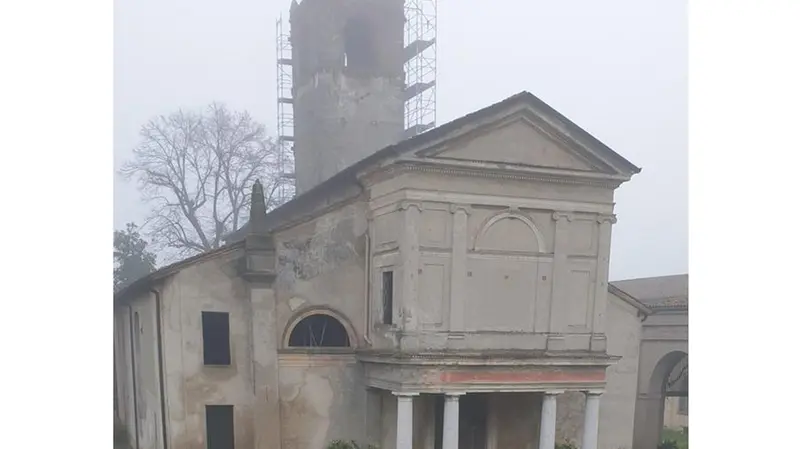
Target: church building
x=443 y=291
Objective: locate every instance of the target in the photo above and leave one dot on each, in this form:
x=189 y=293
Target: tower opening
x=359 y=53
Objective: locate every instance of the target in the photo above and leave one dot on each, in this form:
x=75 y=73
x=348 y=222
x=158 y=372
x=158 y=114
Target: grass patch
x=678 y=437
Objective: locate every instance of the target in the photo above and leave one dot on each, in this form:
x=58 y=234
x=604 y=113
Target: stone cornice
x=490 y=358
x=460 y=207
x=607 y=219
x=404 y=166
x=558 y=216
x=407 y=204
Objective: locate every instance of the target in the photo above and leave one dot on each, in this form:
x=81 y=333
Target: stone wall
x=348 y=99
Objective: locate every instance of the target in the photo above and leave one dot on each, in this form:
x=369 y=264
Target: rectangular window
x=388 y=296
x=216 y=338
x=219 y=427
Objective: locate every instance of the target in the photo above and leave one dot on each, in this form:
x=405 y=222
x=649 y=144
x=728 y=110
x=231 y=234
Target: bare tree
x=195 y=170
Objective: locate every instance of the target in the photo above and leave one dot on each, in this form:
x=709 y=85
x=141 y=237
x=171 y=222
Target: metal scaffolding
x=420 y=66
x=285 y=116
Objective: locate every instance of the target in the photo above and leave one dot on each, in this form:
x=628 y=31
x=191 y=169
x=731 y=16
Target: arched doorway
x=665 y=387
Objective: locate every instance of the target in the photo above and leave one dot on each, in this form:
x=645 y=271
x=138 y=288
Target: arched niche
x=510 y=231
x=319 y=328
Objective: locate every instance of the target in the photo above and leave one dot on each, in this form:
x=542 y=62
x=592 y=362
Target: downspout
x=367 y=277
x=161 y=382
x=133 y=377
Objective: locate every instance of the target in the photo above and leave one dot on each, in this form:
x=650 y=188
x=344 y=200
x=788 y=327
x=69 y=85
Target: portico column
x=405 y=420
x=547 y=430
x=450 y=431
x=591 y=419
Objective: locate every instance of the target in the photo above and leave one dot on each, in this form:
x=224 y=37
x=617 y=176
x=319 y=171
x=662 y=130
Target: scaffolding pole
x=420 y=66
x=285 y=113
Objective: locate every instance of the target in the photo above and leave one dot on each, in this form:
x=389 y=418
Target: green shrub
x=668 y=444
x=339 y=444
x=566 y=445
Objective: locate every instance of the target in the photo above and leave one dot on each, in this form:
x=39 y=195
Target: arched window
x=319 y=331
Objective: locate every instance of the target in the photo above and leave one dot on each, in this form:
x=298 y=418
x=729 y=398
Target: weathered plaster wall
x=618 y=404
x=321 y=264
x=569 y=416
x=137 y=372
x=213 y=286
x=322 y=399
x=125 y=375
x=321 y=267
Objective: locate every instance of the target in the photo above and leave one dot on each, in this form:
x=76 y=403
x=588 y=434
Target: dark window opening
x=219 y=427
x=683 y=405
x=388 y=297
x=137 y=332
x=216 y=338
x=438 y=421
x=358 y=44
x=319 y=331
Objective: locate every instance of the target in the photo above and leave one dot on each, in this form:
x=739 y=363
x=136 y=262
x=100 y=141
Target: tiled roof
x=662 y=292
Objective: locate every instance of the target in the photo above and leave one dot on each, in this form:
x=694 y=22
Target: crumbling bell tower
x=347 y=83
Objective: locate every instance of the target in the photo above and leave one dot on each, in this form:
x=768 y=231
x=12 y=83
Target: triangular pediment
x=518 y=140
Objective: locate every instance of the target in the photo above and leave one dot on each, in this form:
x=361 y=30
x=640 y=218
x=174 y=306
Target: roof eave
x=621 y=294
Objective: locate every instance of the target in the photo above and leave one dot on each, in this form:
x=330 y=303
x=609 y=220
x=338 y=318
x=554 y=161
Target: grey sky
x=617 y=68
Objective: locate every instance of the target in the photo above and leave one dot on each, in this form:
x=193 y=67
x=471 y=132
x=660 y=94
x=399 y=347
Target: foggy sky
x=617 y=68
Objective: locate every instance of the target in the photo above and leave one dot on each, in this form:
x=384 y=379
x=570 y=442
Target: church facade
x=449 y=291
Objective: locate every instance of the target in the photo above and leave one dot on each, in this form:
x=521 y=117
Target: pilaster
x=558 y=301
x=410 y=260
x=598 y=342
x=458 y=266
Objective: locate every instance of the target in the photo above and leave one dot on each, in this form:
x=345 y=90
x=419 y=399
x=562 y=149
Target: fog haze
x=617 y=68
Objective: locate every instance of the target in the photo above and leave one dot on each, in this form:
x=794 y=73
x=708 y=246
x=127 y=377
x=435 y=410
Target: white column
x=405 y=420
x=450 y=430
x=547 y=430
x=591 y=419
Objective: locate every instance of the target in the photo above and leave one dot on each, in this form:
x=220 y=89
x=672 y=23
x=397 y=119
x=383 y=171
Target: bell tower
x=347 y=83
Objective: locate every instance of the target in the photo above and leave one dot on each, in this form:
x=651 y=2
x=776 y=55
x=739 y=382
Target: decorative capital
x=453 y=395
x=404 y=394
x=553 y=393
x=460 y=207
x=607 y=219
x=558 y=216
x=407 y=204
x=594 y=393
